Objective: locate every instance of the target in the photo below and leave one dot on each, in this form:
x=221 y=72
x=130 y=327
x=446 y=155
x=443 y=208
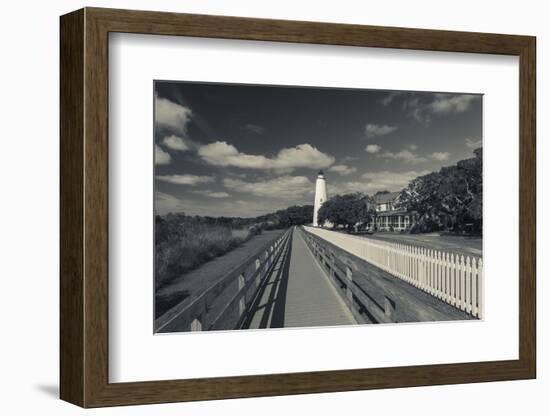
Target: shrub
x=184 y=243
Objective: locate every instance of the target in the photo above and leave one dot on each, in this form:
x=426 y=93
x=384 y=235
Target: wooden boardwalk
x=297 y=293
x=290 y=283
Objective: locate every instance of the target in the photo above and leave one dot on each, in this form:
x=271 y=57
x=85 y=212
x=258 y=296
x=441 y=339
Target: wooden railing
x=454 y=279
x=224 y=304
x=370 y=307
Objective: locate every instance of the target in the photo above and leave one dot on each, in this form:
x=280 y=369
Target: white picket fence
x=455 y=279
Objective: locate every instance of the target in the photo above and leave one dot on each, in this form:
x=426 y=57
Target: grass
x=452 y=243
x=183 y=243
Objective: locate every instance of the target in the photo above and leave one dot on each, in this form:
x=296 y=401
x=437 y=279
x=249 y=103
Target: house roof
x=385 y=198
x=394 y=212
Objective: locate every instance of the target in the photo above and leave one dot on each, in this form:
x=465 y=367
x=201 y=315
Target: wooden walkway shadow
x=268 y=308
x=297 y=293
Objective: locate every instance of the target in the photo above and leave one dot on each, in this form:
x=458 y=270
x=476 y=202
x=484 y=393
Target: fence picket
x=480 y=289
x=447 y=277
x=420 y=268
x=453 y=281
x=474 y=288
x=438 y=276
x=462 y=283
x=468 y=285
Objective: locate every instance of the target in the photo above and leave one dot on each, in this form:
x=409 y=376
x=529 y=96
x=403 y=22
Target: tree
x=347 y=210
x=450 y=198
x=299 y=215
x=294 y=215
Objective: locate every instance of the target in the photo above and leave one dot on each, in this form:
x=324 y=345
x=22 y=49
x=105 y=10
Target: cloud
x=412 y=102
x=254 y=128
x=447 y=104
x=387 y=100
x=391 y=181
x=374 y=130
x=171 y=115
x=408 y=155
x=343 y=170
x=177 y=143
x=301 y=156
x=165 y=203
x=473 y=143
x=213 y=194
x=381 y=181
x=373 y=148
x=440 y=156
x=279 y=187
x=404 y=155
x=161 y=157
x=440 y=105
x=186 y=179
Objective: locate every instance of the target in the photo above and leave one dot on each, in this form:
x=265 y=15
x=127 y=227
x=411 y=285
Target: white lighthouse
x=320 y=195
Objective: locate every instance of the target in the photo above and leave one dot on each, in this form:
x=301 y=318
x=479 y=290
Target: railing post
x=266 y=260
x=349 y=292
x=332 y=260
x=242 y=302
x=196 y=325
x=389 y=308
x=258 y=276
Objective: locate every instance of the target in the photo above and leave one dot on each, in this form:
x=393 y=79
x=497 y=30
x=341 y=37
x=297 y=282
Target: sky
x=247 y=150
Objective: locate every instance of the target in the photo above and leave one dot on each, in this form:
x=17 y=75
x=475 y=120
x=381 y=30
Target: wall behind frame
x=29 y=209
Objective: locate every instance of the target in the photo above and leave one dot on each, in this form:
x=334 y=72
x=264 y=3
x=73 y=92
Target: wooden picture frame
x=84 y=207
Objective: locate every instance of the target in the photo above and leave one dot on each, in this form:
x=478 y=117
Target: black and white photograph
x=291 y=206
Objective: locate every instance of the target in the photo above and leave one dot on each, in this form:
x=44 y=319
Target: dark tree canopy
x=347 y=210
x=449 y=198
x=294 y=215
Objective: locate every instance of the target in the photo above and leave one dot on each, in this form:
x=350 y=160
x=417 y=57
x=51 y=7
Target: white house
x=388 y=217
